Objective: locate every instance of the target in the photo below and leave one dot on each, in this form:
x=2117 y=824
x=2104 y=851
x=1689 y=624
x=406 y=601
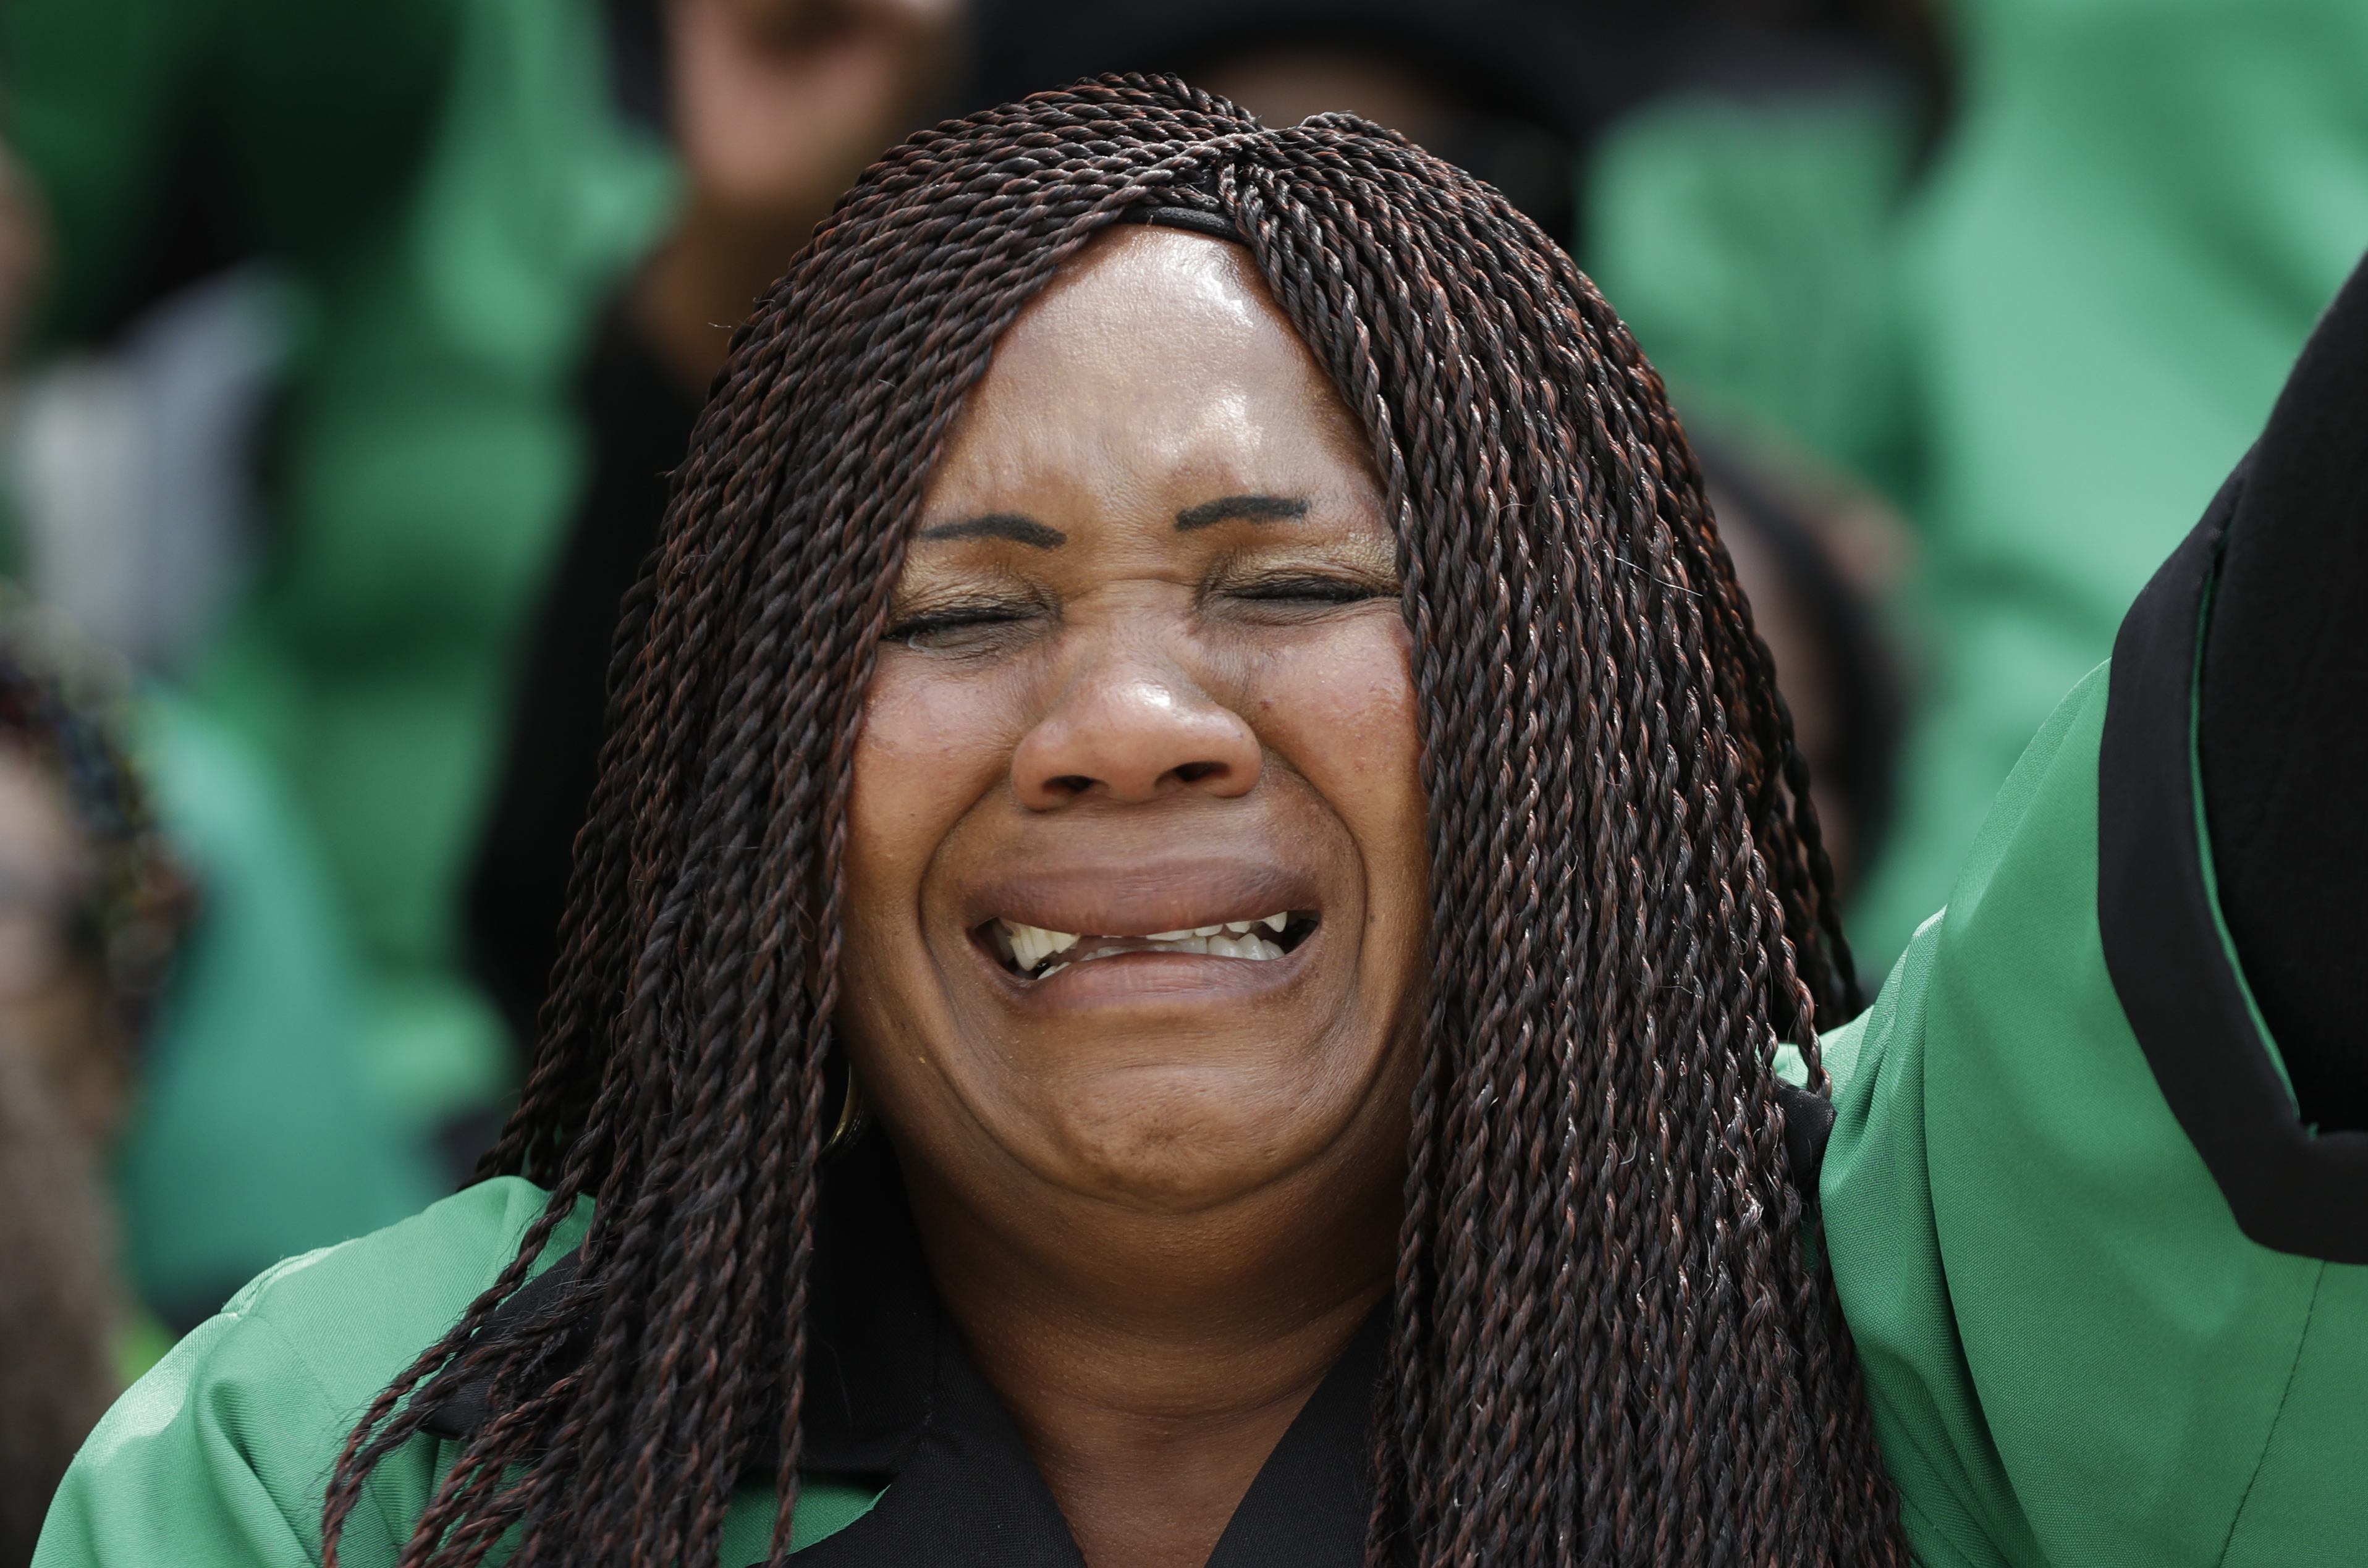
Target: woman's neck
x=1152 y=1362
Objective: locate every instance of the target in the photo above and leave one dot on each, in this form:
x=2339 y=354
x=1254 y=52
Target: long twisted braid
x=1610 y=1347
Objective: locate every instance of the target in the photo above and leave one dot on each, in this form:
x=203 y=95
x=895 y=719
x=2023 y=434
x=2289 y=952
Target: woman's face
x=1136 y=873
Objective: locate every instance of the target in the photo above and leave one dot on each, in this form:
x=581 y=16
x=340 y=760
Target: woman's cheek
x=1341 y=711
x=930 y=749
x=925 y=757
x=1343 y=716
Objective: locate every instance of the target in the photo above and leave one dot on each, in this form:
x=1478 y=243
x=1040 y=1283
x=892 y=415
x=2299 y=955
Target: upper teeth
x=1032 y=945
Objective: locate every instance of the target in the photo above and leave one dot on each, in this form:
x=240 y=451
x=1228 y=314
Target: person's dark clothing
x=640 y=419
x=2283 y=718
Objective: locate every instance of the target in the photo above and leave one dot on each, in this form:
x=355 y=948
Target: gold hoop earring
x=854 y=1120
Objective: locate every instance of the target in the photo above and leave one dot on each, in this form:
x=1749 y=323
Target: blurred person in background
x=1514 y=90
x=773 y=107
x=254 y=1131
x=1508 y=89
x=92 y=907
x=2045 y=320
x=294 y=432
x=1520 y=91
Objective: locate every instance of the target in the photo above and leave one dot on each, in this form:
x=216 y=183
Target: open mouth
x=1034 y=954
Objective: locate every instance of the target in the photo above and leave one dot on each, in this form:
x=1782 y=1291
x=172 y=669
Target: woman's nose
x=1134 y=733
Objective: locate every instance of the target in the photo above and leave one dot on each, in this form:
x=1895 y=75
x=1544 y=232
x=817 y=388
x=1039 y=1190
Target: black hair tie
x=1205 y=217
x=1215 y=225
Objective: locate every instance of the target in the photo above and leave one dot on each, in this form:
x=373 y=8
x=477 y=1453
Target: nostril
x=1118 y=734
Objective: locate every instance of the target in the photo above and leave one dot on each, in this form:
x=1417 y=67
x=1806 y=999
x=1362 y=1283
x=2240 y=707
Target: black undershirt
x=2284 y=720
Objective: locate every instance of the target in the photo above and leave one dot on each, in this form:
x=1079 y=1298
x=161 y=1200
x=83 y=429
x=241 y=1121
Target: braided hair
x=1610 y=1343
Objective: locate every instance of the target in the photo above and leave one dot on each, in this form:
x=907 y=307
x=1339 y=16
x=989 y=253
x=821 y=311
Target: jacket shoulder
x=221 y=1453
x=355 y=1314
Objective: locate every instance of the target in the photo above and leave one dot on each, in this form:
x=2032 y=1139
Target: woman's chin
x=1181 y=1139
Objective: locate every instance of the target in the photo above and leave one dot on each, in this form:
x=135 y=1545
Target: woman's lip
x=1143 y=896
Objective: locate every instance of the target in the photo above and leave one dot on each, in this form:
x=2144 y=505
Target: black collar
x=891 y=1395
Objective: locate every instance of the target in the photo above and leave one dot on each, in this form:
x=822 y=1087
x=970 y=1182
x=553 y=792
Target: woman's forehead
x=1158 y=343
x=1216 y=280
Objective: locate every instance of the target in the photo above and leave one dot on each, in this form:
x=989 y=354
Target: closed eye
x=955 y=627
x=1322 y=589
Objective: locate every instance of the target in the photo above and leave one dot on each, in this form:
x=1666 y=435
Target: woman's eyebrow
x=1000 y=525
x=1241 y=509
